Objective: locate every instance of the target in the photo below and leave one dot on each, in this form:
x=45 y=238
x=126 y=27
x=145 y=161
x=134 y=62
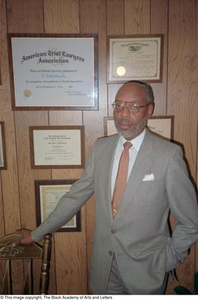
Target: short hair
x=148 y=89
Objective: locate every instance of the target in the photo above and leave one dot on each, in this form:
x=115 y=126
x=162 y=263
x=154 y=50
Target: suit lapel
x=142 y=165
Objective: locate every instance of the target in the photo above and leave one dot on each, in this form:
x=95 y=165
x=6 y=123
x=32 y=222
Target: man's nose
x=125 y=111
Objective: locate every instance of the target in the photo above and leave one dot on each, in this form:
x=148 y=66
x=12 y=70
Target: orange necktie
x=121 y=179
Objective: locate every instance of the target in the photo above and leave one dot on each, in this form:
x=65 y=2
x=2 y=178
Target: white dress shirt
x=133 y=152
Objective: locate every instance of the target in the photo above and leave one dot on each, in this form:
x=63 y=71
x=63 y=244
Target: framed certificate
x=161 y=125
x=57 y=147
x=3 y=165
x=54 y=71
x=137 y=57
x=48 y=194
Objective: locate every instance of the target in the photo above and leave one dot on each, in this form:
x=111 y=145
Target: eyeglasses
x=133 y=107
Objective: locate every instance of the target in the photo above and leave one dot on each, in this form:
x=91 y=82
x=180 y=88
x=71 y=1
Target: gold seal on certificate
x=121 y=71
x=27 y=93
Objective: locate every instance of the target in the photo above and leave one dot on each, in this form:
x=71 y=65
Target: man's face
x=127 y=124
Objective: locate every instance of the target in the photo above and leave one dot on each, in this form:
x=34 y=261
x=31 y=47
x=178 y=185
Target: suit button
x=110 y=253
x=113 y=231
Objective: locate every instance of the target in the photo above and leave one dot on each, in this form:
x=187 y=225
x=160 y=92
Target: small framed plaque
x=57 y=147
x=161 y=125
x=3 y=164
x=136 y=57
x=48 y=194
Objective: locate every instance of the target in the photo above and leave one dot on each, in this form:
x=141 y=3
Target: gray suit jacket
x=139 y=235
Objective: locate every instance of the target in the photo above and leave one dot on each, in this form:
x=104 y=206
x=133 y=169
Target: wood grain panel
x=115 y=26
x=182 y=95
x=115 y=17
x=67 y=173
x=21 y=13
x=65 y=118
x=159 y=15
x=137 y=16
x=61 y=16
x=70 y=273
x=183 y=76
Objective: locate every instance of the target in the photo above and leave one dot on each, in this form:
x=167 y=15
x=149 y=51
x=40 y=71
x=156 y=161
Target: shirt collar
x=137 y=142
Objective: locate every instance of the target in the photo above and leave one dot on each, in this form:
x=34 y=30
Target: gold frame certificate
x=57 y=146
x=48 y=193
x=135 y=58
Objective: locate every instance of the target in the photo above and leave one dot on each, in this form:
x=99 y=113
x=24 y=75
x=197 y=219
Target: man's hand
x=26 y=238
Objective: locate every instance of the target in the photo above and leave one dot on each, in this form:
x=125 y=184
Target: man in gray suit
x=132 y=250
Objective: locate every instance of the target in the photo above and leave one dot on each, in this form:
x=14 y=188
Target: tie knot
x=127 y=145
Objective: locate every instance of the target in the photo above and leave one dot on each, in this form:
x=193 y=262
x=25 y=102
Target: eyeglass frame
x=125 y=105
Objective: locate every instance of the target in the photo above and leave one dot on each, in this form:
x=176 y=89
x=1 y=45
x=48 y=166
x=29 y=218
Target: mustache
x=124 y=121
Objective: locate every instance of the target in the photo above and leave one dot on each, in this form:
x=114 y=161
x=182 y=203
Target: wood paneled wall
x=177 y=95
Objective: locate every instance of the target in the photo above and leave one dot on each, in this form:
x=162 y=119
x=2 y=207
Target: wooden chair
x=28 y=253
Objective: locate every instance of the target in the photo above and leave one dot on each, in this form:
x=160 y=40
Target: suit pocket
x=151 y=191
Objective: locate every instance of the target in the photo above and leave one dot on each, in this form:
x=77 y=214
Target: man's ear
x=150 y=110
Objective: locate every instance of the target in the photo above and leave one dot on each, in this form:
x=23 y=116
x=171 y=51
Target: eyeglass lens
x=132 y=107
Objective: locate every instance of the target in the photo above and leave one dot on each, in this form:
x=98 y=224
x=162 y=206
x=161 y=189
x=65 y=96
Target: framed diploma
x=48 y=194
x=54 y=71
x=3 y=165
x=137 y=57
x=57 y=147
x=161 y=125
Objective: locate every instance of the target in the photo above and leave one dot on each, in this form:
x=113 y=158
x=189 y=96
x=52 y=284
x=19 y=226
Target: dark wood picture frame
x=3 y=162
x=55 y=137
x=110 y=128
x=44 y=186
x=74 y=86
x=135 y=64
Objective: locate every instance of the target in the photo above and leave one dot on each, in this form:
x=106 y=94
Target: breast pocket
x=152 y=187
x=151 y=195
